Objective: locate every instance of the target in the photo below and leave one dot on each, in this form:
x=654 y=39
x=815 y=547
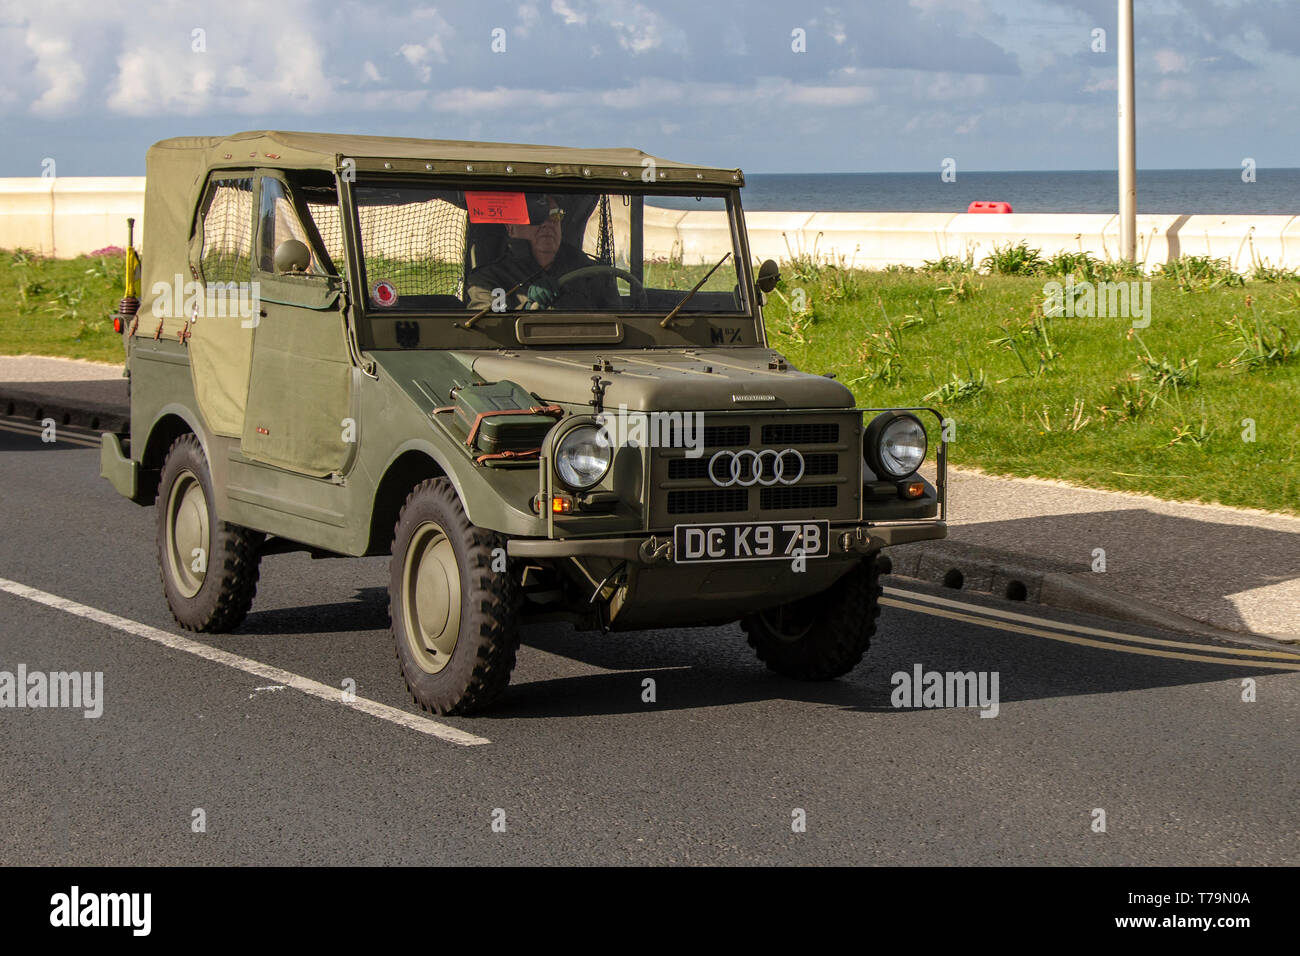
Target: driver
x=535 y=259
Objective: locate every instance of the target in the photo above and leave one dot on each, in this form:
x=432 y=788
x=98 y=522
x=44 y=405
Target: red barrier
x=978 y=206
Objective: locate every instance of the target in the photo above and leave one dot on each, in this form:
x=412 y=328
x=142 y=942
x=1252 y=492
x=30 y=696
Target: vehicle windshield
x=426 y=249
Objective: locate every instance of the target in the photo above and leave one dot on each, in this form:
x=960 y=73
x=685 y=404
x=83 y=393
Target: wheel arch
x=419 y=459
x=170 y=424
x=410 y=465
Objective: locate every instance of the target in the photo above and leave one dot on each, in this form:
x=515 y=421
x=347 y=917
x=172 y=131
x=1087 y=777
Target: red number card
x=497 y=207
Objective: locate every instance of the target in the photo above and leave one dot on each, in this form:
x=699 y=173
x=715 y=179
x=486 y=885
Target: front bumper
x=846 y=540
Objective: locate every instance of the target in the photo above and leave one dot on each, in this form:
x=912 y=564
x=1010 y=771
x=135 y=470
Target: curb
x=971 y=568
x=18 y=402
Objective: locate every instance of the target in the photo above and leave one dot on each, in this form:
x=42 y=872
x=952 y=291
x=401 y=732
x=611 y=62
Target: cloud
x=239 y=68
x=1015 y=80
x=424 y=53
x=418 y=55
x=527 y=16
x=1170 y=61
x=63 y=78
x=568 y=14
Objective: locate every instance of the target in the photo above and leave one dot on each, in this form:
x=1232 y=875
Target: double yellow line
x=1071 y=633
x=62 y=433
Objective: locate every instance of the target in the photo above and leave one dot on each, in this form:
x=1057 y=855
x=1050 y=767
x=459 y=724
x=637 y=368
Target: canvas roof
x=327 y=150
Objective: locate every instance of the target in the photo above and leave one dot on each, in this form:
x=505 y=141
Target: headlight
x=582 y=457
x=895 y=444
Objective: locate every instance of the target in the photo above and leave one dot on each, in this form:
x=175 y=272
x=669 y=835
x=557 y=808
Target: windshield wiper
x=469 y=323
x=667 y=320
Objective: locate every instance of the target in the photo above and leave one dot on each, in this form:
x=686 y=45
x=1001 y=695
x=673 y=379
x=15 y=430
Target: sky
x=767 y=86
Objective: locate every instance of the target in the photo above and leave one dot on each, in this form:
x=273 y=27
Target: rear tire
x=209 y=567
x=454 y=618
x=822 y=636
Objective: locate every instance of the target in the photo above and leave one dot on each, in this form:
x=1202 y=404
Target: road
x=573 y=766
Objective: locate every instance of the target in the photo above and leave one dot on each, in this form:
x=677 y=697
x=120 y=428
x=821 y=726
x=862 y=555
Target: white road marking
x=1085 y=642
x=1083 y=629
x=333 y=695
x=20 y=427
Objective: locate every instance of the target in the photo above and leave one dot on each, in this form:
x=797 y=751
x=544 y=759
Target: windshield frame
x=480 y=335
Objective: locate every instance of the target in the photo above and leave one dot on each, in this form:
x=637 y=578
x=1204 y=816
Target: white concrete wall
x=873 y=240
x=70 y=216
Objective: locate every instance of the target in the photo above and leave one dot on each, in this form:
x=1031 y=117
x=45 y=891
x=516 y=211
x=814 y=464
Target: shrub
x=1200 y=273
x=1014 y=260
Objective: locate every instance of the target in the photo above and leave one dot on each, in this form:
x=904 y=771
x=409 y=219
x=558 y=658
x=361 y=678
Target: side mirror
x=769 y=274
x=292 y=255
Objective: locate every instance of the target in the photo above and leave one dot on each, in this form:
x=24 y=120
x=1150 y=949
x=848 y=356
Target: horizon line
x=915 y=172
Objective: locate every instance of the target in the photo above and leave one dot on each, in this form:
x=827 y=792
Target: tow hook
x=653 y=550
x=859 y=539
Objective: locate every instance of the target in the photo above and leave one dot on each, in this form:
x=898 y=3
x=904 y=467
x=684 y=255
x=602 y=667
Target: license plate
x=751 y=541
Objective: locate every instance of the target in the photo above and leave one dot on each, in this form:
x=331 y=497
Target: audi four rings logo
x=737 y=473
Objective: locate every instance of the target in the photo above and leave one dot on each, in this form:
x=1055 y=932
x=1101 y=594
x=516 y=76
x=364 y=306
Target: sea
x=1192 y=191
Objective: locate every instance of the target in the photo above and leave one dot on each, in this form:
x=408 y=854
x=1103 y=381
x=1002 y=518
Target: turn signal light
x=561 y=504
x=913 y=489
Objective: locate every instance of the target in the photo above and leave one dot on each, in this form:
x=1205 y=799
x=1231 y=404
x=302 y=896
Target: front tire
x=209 y=567
x=453 y=604
x=822 y=636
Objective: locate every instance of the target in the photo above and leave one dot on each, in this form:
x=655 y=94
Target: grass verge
x=1201 y=405
x=60 y=307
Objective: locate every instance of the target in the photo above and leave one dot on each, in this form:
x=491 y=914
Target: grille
x=798 y=497
x=684 y=469
x=801 y=433
x=713 y=436
x=726 y=436
x=707 y=501
x=821 y=463
x=685 y=491
x=818 y=463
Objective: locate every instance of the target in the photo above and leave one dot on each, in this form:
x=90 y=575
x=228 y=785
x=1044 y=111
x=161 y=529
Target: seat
x=484 y=243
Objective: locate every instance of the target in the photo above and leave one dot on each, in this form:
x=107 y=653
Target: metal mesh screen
x=417 y=246
x=228 y=231
x=329 y=224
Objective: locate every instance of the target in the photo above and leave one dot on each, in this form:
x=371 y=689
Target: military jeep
x=537 y=377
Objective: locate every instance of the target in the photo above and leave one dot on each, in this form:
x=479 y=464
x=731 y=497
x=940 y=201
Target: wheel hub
x=789 y=622
x=188 y=533
x=431 y=597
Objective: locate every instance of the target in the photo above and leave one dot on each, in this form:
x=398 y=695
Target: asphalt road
x=578 y=767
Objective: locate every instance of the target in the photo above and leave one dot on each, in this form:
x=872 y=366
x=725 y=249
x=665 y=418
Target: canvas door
x=220 y=319
x=300 y=389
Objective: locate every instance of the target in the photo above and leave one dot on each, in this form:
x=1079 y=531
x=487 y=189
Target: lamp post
x=1127 y=136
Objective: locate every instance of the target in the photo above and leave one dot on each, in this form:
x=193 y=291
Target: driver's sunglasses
x=555 y=212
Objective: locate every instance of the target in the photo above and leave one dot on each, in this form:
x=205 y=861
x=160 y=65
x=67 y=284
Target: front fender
x=494 y=498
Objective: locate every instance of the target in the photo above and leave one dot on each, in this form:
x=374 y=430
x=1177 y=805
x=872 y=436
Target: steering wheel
x=639 y=300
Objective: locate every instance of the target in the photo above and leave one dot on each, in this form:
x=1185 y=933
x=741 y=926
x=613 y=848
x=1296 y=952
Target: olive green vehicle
x=537 y=377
